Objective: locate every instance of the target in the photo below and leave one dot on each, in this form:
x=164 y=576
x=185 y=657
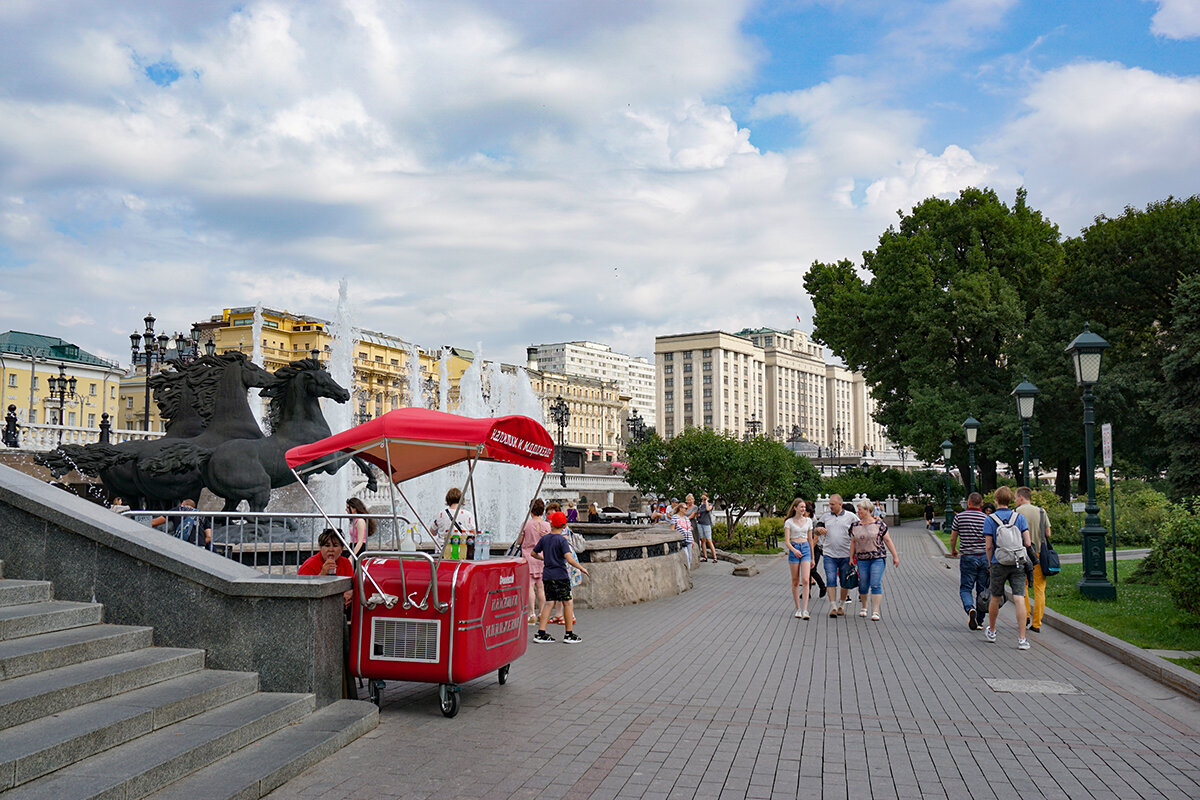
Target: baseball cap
x=557 y=519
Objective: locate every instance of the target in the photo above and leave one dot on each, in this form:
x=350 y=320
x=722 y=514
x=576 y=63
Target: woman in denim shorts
x=798 y=536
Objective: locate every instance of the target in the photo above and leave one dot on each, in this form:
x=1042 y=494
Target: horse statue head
x=294 y=392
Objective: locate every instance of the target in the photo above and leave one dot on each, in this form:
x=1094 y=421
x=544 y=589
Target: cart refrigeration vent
x=405 y=640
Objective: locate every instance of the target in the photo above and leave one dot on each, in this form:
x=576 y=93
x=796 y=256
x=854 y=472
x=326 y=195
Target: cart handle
x=390 y=600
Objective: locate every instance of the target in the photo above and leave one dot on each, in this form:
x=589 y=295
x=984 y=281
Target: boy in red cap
x=555 y=550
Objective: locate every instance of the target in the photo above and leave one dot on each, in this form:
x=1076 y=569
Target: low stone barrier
x=633 y=566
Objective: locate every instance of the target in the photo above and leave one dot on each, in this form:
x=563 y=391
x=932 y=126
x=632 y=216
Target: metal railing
x=277 y=543
x=39 y=437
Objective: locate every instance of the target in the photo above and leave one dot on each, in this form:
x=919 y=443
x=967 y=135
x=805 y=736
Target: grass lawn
x=1141 y=615
x=1188 y=663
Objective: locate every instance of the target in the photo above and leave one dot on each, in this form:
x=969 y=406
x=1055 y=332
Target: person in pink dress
x=531 y=534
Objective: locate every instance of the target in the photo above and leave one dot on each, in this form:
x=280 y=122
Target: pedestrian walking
x=834 y=525
x=555 y=551
x=966 y=543
x=684 y=525
x=928 y=514
x=1006 y=536
x=703 y=527
x=1039 y=531
x=818 y=541
x=535 y=528
x=799 y=537
x=870 y=545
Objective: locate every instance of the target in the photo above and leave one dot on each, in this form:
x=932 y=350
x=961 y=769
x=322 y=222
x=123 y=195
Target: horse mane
x=168 y=391
x=277 y=390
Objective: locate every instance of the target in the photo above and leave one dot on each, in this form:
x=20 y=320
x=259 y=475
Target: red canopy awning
x=417 y=441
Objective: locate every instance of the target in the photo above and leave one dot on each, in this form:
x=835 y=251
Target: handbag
x=848 y=575
x=1049 y=559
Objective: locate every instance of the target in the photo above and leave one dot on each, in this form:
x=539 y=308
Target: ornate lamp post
x=62 y=388
x=148 y=348
x=12 y=436
x=561 y=415
x=1025 y=393
x=947 y=452
x=753 y=426
x=362 y=411
x=971 y=429
x=1087 y=351
x=637 y=426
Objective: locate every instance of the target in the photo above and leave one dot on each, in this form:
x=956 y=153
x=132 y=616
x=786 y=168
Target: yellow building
x=381 y=362
x=598 y=409
x=28 y=362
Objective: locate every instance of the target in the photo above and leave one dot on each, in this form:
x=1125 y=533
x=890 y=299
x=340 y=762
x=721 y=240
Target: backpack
x=1010 y=544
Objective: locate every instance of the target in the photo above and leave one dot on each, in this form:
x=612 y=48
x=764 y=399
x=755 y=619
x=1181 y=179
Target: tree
x=1181 y=391
x=946 y=298
x=739 y=475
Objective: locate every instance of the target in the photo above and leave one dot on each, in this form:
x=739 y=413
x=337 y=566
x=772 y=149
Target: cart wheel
x=448 y=696
x=504 y=674
x=375 y=692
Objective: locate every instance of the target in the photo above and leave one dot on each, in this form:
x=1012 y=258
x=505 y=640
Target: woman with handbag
x=798 y=528
x=531 y=534
x=870 y=544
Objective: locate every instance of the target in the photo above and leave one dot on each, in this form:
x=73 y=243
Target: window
x=708 y=380
x=687 y=381
x=707 y=392
x=129 y=403
x=112 y=392
x=687 y=394
x=708 y=420
x=91 y=420
x=668 y=356
x=668 y=396
x=71 y=418
x=669 y=382
x=708 y=353
x=12 y=380
x=687 y=367
x=92 y=389
x=687 y=355
x=708 y=365
x=378 y=359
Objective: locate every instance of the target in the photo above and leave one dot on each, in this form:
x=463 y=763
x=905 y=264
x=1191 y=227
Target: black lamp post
x=1025 y=393
x=148 y=348
x=947 y=452
x=971 y=429
x=12 y=436
x=62 y=388
x=753 y=426
x=362 y=411
x=1087 y=351
x=561 y=415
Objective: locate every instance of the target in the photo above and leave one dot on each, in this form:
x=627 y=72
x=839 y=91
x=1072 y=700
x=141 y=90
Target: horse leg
x=367 y=470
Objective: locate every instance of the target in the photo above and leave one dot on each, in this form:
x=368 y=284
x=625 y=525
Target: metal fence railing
x=278 y=542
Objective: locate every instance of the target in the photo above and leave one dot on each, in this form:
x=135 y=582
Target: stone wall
x=616 y=579
x=287 y=629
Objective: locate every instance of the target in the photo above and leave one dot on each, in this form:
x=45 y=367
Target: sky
x=492 y=174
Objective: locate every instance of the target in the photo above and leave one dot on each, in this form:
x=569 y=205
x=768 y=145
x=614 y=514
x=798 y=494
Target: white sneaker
x=990 y=635
x=799 y=614
x=1022 y=644
x=803 y=615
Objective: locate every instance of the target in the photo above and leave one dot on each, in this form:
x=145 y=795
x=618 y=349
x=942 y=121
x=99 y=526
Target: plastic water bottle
x=483 y=546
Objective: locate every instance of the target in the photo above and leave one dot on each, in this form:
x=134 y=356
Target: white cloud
x=1177 y=19
x=1097 y=136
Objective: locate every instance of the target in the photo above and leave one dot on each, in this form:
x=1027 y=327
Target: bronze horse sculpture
x=248 y=469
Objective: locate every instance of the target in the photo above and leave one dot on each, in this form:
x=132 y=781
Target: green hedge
x=1179 y=553
x=749 y=538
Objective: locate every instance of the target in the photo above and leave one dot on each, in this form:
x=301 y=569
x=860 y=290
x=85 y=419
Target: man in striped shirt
x=967 y=542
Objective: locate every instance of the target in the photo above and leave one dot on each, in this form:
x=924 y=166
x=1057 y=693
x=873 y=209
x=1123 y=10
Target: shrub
x=1179 y=550
x=748 y=538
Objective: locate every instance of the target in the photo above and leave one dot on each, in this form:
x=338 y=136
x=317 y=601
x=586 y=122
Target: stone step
x=13 y=593
x=52 y=691
x=30 y=619
x=151 y=762
x=259 y=769
x=33 y=749
x=45 y=651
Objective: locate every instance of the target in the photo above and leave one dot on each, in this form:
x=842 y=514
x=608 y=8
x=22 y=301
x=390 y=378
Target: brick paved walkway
x=721 y=693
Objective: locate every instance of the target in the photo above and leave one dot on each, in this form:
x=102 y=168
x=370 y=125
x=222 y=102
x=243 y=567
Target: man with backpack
x=1006 y=535
x=1039 y=530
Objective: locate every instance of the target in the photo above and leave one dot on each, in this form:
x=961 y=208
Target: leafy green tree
x=1180 y=399
x=738 y=475
x=933 y=318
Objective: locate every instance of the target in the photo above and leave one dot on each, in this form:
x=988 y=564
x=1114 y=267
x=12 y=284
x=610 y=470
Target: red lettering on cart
x=517 y=443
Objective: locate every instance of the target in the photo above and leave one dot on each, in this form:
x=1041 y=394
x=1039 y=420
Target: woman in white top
x=798 y=536
x=452 y=518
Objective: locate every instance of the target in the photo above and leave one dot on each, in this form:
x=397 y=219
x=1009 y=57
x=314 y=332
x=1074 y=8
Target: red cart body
x=481 y=630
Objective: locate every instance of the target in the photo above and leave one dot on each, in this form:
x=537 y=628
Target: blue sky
x=493 y=174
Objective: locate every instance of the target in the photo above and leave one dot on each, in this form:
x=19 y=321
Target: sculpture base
x=1097 y=589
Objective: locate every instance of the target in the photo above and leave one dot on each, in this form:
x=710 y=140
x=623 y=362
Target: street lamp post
x=1036 y=463
x=971 y=428
x=561 y=414
x=148 y=347
x=1087 y=351
x=62 y=388
x=1025 y=393
x=637 y=426
x=947 y=452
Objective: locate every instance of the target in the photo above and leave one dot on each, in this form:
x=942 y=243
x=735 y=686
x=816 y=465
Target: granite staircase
x=92 y=710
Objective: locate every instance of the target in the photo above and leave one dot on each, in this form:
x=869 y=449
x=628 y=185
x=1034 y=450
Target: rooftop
x=49 y=348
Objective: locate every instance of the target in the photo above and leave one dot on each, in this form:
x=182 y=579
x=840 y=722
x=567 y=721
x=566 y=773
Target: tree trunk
x=1062 y=480
x=987 y=476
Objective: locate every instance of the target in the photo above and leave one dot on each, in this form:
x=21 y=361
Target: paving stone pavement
x=721 y=693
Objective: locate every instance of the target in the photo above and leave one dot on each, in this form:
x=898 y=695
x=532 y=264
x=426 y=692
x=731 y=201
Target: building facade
x=27 y=363
x=382 y=364
x=634 y=375
x=598 y=411
x=763 y=381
